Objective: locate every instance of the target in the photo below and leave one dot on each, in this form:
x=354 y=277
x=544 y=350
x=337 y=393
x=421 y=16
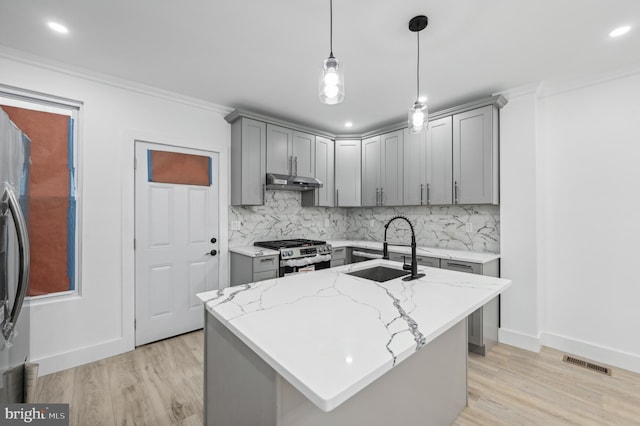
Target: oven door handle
x=304 y=261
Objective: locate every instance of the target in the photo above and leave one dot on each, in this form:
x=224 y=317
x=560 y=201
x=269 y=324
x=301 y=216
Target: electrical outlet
x=236 y=225
x=469 y=227
x=327 y=223
x=372 y=223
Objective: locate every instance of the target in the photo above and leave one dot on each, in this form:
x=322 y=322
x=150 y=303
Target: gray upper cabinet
x=438 y=188
x=304 y=154
x=290 y=152
x=371 y=171
x=391 y=169
x=382 y=179
x=347 y=172
x=324 y=172
x=454 y=162
x=279 y=142
x=475 y=156
x=428 y=167
x=248 y=152
x=414 y=168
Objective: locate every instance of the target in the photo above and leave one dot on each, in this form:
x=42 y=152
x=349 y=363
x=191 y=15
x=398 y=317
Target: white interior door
x=176 y=229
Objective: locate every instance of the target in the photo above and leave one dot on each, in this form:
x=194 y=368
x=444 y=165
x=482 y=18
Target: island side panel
x=240 y=388
x=428 y=388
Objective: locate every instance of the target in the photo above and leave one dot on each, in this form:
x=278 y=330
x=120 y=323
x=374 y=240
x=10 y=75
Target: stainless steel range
x=299 y=255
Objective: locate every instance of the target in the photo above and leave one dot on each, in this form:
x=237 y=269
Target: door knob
x=211 y=253
x=213 y=240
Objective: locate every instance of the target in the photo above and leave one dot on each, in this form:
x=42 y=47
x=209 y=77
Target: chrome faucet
x=414 y=260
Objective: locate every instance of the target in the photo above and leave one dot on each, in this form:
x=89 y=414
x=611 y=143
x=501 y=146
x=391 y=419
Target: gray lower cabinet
x=248 y=151
x=433 y=262
x=483 y=323
x=247 y=269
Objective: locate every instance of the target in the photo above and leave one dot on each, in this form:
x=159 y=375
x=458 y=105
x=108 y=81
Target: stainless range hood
x=291 y=183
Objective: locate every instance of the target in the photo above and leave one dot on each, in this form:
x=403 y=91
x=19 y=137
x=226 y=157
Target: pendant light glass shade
x=418 y=117
x=331 y=87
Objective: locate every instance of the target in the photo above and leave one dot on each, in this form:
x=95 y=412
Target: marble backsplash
x=474 y=228
x=471 y=228
x=282 y=217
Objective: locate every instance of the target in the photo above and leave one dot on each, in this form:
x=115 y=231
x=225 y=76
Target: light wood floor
x=161 y=384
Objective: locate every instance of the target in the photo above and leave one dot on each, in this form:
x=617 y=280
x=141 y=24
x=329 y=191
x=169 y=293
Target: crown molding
x=97 y=77
x=497 y=100
x=556 y=87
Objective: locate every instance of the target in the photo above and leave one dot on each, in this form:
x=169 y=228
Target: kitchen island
x=328 y=348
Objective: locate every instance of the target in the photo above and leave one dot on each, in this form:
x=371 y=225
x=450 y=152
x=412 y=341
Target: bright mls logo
x=35 y=414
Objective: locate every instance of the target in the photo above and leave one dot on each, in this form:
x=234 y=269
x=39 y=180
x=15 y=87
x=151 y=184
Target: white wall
x=98 y=323
x=592 y=143
x=582 y=242
x=519 y=171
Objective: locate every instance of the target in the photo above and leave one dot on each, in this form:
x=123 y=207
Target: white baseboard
x=593 y=352
x=76 y=357
x=519 y=340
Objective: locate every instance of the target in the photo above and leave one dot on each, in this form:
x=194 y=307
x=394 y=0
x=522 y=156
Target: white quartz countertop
x=461 y=255
x=253 y=251
x=330 y=334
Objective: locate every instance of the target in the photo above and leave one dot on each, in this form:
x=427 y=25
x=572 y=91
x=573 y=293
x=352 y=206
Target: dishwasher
x=362 y=254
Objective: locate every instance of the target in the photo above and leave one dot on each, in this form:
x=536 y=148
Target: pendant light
x=418 y=113
x=331 y=87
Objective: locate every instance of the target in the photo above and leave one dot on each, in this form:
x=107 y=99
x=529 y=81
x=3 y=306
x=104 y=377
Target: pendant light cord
x=418 y=68
x=331 y=28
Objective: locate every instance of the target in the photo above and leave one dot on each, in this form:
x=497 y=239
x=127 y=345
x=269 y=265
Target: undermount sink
x=379 y=273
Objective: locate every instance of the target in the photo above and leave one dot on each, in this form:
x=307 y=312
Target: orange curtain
x=49 y=198
x=175 y=167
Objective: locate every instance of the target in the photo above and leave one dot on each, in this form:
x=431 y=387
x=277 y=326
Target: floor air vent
x=585 y=364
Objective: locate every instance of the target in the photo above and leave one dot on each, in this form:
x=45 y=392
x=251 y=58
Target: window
x=53 y=220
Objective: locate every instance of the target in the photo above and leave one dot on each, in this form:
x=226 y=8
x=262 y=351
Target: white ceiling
x=265 y=55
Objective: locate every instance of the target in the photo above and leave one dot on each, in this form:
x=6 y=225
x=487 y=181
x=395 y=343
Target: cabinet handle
x=382 y=196
x=266 y=260
x=337 y=199
x=421 y=194
x=291 y=164
x=295 y=162
x=339 y=250
x=459 y=265
x=377 y=196
x=455 y=192
x=428 y=194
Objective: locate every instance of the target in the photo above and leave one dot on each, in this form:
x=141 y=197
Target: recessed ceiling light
x=59 y=28
x=348 y=124
x=620 y=31
x=422 y=99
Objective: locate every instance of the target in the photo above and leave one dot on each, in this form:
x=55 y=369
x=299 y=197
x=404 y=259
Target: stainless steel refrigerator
x=14 y=259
